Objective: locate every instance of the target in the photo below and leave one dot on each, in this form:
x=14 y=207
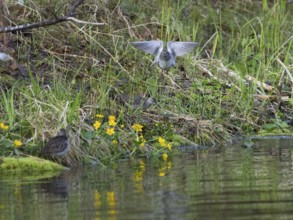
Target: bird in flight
x=165 y=58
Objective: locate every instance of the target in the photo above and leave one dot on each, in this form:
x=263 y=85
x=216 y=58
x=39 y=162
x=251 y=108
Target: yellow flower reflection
x=141 y=165
x=112 y=212
x=138 y=176
x=162 y=172
x=111 y=198
x=98 y=201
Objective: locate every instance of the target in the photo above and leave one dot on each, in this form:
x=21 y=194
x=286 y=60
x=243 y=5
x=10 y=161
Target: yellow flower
x=121 y=126
x=165 y=156
x=110 y=131
x=112 y=120
x=141 y=138
x=17 y=143
x=97 y=125
x=162 y=141
x=162 y=172
x=137 y=127
x=112 y=117
x=142 y=144
x=99 y=116
x=114 y=142
x=3 y=126
x=169 y=146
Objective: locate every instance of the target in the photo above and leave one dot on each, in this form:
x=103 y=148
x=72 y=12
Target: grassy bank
x=237 y=82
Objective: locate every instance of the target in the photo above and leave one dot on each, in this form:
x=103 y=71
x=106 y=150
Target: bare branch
x=33 y=25
x=52 y=21
x=84 y=22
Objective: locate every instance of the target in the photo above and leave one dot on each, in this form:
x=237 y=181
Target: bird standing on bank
x=165 y=57
x=57 y=146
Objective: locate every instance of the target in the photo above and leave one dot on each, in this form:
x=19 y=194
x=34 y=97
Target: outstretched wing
x=153 y=47
x=180 y=48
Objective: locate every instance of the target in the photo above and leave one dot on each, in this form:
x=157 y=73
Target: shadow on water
x=223 y=182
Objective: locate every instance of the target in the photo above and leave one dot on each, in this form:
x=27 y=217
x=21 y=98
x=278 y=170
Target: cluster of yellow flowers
x=3 y=126
x=16 y=143
x=111 y=122
x=137 y=128
x=111 y=200
x=163 y=143
x=97 y=125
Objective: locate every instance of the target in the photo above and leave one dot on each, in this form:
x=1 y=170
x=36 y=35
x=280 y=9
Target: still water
x=223 y=182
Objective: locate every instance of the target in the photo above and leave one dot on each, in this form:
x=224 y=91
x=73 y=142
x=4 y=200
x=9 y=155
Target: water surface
x=223 y=182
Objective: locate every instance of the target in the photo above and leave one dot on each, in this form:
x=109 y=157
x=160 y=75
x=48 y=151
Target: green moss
x=28 y=165
x=277 y=132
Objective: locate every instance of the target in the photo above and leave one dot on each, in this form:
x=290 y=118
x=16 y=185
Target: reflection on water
x=225 y=182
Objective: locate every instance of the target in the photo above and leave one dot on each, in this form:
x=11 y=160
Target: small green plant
x=8 y=103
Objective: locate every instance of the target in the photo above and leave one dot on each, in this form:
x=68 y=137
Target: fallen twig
x=84 y=22
x=259 y=84
x=207 y=71
x=272 y=98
